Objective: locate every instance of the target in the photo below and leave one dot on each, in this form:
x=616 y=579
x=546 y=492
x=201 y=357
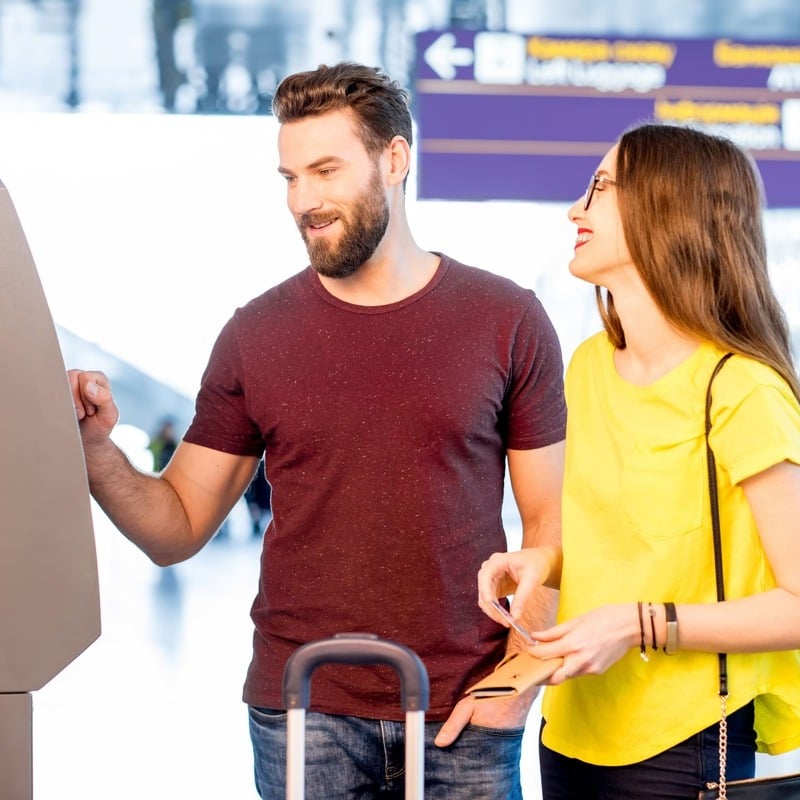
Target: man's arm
x=536 y=480
x=169 y=516
x=536 y=477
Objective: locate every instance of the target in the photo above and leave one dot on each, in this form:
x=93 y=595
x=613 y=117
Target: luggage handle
x=355 y=648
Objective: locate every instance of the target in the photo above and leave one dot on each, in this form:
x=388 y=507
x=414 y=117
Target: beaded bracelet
x=652 y=612
x=642 y=647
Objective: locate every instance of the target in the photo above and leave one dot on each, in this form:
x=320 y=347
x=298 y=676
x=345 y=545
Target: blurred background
x=137 y=145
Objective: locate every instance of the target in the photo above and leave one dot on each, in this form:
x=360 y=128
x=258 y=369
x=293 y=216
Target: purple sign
x=512 y=116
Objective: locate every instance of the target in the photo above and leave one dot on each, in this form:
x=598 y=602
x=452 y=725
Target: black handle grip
x=355 y=648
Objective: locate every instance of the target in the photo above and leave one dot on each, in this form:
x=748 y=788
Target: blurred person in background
x=163 y=444
x=167 y=15
x=257 y=497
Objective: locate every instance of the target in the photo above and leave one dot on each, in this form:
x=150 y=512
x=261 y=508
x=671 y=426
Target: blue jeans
x=350 y=757
x=675 y=774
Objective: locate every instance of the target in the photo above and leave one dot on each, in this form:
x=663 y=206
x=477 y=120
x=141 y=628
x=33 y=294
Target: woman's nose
x=575 y=210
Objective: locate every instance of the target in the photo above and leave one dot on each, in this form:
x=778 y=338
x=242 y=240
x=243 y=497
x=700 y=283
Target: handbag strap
x=720 y=577
x=715 y=525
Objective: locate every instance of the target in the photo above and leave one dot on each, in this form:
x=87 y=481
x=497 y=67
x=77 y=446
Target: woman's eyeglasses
x=593 y=181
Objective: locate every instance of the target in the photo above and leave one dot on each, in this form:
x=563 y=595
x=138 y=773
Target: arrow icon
x=443 y=56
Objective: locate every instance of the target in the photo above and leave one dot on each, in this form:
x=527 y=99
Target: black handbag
x=779 y=787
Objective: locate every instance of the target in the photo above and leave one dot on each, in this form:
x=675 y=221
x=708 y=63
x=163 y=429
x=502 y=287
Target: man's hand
x=506 y=712
x=94 y=405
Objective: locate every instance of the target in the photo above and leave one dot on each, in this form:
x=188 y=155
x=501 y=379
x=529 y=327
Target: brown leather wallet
x=513 y=675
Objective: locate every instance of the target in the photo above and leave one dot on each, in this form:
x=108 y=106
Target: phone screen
x=513 y=622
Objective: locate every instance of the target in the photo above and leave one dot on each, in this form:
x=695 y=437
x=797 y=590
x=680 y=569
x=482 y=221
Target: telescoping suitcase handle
x=355 y=648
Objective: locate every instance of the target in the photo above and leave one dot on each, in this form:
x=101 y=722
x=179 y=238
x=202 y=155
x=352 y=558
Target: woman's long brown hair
x=691 y=209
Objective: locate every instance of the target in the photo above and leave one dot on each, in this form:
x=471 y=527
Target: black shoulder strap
x=715 y=525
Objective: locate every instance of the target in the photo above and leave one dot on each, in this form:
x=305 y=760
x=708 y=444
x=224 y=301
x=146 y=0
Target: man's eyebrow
x=320 y=162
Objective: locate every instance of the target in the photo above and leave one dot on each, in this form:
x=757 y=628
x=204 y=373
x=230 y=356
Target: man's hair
x=691 y=209
x=378 y=103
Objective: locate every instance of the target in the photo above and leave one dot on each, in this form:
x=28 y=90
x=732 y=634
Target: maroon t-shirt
x=385 y=430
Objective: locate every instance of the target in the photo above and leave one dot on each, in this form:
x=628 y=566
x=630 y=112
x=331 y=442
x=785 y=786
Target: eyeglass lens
x=587 y=200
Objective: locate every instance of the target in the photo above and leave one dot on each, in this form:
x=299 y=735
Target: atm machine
x=49 y=594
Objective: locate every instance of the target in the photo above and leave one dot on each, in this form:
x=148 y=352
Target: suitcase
x=355 y=648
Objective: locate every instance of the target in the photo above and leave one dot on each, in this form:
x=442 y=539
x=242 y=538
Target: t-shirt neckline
x=324 y=294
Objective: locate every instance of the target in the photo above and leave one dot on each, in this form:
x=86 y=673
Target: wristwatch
x=671 y=646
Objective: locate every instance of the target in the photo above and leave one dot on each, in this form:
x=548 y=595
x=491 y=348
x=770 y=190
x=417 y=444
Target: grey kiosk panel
x=49 y=597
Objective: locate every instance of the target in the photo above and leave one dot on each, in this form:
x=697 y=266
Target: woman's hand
x=592 y=642
x=519 y=573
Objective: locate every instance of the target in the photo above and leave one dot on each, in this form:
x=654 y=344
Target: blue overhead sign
x=513 y=116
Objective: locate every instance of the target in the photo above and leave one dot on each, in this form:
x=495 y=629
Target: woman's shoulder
x=742 y=375
x=597 y=345
x=751 y=402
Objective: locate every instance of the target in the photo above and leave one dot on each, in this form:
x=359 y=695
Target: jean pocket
x=507 y=733
x=267 y=715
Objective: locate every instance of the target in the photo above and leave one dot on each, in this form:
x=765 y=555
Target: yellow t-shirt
x=636 y=526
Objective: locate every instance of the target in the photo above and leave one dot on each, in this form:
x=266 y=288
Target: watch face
x=671 y=645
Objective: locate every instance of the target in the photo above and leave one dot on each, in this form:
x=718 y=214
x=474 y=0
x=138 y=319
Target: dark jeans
x=349 y=757
x=675 y=774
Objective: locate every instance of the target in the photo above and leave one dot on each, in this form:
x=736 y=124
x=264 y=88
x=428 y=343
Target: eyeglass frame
x=590 y=189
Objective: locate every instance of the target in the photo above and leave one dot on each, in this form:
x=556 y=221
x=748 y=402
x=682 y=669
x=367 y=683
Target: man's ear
x=399 y=154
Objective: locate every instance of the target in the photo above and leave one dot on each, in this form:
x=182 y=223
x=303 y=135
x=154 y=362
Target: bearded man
x=386 y=388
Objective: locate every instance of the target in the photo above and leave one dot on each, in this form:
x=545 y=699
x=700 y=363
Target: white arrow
x=443 y=56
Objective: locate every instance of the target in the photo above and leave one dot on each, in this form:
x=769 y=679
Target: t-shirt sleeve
x=758 y=431
x=221 y=421
x=535 y=408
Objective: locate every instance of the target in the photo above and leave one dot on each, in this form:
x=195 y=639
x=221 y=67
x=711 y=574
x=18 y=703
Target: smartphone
x=513 y=622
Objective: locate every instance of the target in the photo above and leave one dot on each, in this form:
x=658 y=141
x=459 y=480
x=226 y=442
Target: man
x=386 y=386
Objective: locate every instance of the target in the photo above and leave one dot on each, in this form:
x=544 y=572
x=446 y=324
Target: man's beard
x=363 y=230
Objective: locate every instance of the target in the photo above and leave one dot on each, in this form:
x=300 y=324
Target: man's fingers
x=73 y=377
x=455 y=723
x=91 y=395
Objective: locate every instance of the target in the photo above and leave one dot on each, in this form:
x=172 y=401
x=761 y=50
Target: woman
x=670 y=232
